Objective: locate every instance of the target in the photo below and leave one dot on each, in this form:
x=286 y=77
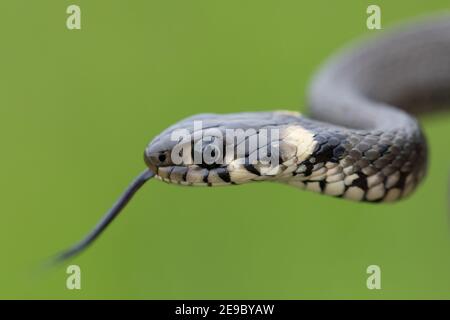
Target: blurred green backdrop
x=78 y=108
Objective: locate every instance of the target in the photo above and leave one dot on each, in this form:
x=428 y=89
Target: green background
x=78 y=108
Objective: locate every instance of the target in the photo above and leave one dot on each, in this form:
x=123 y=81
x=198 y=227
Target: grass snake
x=361 y=141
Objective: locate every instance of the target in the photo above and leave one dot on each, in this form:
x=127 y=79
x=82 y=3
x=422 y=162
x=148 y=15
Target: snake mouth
x=185 y=173
x=194 y=175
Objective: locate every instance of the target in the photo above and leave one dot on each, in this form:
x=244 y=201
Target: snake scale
x=361 y=141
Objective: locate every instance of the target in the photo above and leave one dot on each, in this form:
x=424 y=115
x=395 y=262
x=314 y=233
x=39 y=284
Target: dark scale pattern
x=373 y=162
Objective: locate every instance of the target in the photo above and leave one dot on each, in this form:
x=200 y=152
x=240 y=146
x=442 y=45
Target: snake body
x=360 y=142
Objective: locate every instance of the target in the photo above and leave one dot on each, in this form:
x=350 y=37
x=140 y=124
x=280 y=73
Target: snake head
x=176 y=154
x=219 y=149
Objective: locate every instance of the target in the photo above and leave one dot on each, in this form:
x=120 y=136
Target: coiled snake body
x=359 y=143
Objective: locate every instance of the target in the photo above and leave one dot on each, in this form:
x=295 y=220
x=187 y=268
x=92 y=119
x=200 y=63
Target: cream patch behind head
x=238 y=173
x=301 y=138
x=288 y=112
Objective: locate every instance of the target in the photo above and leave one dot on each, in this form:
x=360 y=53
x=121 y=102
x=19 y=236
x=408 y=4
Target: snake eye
x=162 y=157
